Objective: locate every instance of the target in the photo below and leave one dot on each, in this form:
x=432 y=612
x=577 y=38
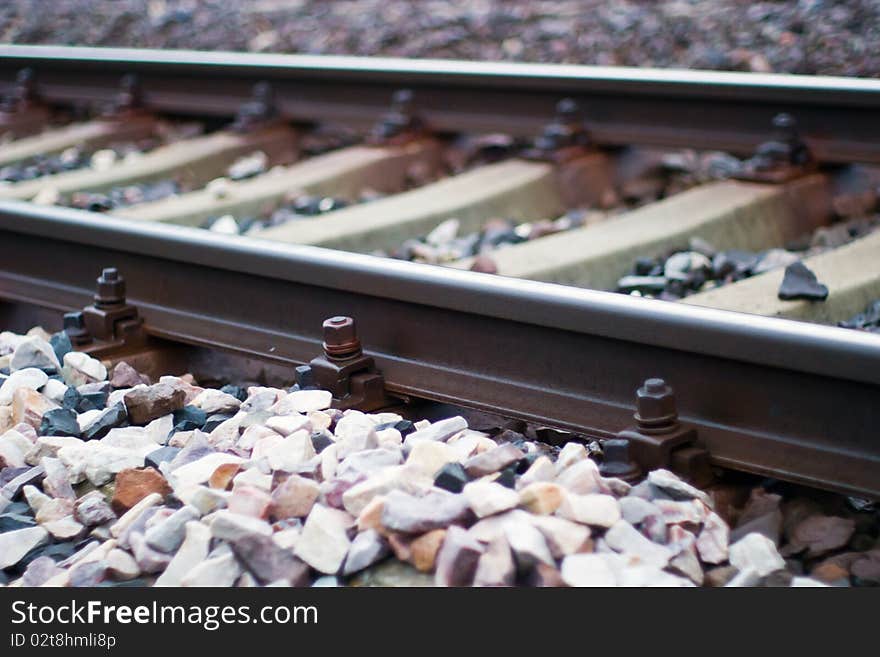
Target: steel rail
x=730 y=111
x=793 y=400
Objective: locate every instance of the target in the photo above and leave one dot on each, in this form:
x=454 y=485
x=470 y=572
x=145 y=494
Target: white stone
x=306 y=401
x=389 y=437
x=352 y=425
x=54 y=390
x=214 y=401
x=319 y=420
x=647 y=576
x=219 y=571
x=756 y=552
x=291 y=452
x=159 y=429
x=465 y=444
x=192 y=552
x=677 y=488
x=36 y=498
x=98 y=462
x=627 y=540
x=80 y=368
x=27 y=378
x=587 y=570
x=563 y=536
x=206 y=500
x=231 y=527
x=541 y=470
x=581 y=477
x=9 y=341
x=713 y=539
x=430 y=455
x=329 y=462
x=14 y=449
x=34 y=352
x=49 y=446
x=370 y=461
x=569 y=455
x=128 y=518
x=64 y=529
x=442 y=430
x=488 y=498
x=168 y=534
x=356 y=442
x=526 y=541
x=130 y=438
x=121 y=564
x=288 y=424
x=636 y=509
x=17 y=543
x=367 y=548
x=258 y=439
x=744 y=578
x=199 y=471
x=799 y=582
x=87 y=418
x=324 y=541
x=398 y=477
x=287 y=539
x=596 y=509
x=253 y=477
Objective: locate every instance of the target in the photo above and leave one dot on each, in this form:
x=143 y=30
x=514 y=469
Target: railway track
x=243 y=200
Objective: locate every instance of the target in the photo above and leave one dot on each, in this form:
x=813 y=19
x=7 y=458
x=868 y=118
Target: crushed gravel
x=805 y=36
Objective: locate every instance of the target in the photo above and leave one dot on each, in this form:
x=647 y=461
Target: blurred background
x=790 y=36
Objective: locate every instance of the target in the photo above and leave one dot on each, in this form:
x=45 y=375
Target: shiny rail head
x=783 y=343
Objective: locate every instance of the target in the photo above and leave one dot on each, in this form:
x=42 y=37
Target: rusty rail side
x=790 y=399
x=729 y=111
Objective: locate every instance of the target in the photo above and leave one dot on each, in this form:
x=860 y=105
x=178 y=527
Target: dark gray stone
x=801 y=283
x=113 y=417
x=61 y=345
x=11 y=521
x=451 y=477
x=59 y=422
x=162 y=455
x=189 y=418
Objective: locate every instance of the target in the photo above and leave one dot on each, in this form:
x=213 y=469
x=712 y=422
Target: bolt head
x=567 y=108
x=110 y=287
x=655 y=400
x=340 y=336
x=784 y=121
x=402 y=98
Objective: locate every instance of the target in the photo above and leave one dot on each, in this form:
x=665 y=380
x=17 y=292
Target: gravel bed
x=110 y=479
x=795 y=36
x=868 y=320
x=701 y=267
x=659 y=176
x=299 y=206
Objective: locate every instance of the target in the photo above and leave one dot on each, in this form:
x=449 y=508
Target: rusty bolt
x=402 y=101
x=340 y=338
x=656 y=409
x=400 y=118
x=130 y=95
x=567 y=110
x=617 y=462
x=75 y=326
x=111 y=288
x=785 y=126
